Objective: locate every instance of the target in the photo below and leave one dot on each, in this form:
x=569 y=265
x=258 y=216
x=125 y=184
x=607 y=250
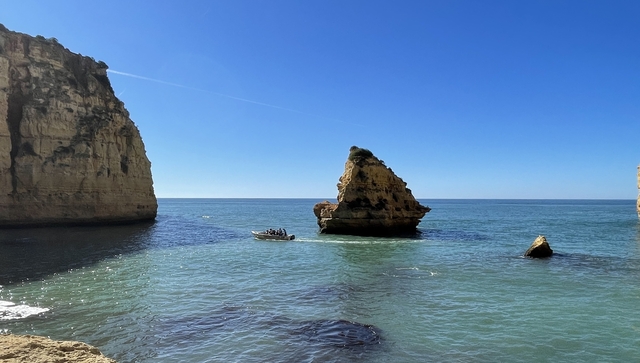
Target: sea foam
x=11 y=311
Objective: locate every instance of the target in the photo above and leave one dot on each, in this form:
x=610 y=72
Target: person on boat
x=285 y=232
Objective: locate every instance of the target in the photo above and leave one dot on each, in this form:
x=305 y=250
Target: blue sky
x=462 y=99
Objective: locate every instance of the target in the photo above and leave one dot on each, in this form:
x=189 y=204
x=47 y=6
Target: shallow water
x=196 y=287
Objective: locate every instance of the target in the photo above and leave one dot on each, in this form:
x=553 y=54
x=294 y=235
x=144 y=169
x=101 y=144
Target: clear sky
x=462 y=99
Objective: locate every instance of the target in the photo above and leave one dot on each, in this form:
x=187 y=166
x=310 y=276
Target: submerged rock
x=35 y=349
x=292 y=333
x=539 y=248
x=339 y=333
x=69 y=154
x=372 y=200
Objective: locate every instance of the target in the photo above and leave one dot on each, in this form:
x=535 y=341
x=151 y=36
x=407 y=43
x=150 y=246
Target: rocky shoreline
x=36 y=349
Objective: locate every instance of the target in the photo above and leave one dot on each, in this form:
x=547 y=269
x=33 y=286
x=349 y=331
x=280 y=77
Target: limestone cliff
x=68 y=151
x=372 y=200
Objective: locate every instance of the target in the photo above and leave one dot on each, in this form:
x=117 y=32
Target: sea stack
x=539 y=248
x=69 y=154
x=372 y=201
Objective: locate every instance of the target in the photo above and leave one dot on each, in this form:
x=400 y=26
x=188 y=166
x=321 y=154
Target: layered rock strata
x=35 y=349
x=372 y=201
x=539 y=248
x=68 y=151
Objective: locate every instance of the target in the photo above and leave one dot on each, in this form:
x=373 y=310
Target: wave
x=11 y=311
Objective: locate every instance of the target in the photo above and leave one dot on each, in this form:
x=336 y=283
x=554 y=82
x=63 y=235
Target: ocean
x=194 y=286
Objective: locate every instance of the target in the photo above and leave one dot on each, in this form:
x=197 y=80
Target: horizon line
x=632 y=199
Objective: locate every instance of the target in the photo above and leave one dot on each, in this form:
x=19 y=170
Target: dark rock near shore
x=339 y=333
x=539 y=248
x=325 y=333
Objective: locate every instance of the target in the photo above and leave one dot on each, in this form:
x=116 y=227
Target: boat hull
x=272 y=237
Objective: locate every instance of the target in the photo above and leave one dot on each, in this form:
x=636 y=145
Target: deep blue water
x=196 y=287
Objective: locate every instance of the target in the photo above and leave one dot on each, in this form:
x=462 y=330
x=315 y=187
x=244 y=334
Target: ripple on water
x=340 y=291
x=452 y=235
x=232 y=324
x=338 y=333
x=194 y=289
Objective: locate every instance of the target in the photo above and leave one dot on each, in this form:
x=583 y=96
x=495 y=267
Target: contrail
x=224 y=95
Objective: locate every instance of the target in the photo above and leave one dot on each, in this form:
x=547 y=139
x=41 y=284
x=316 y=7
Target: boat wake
x=356 y=240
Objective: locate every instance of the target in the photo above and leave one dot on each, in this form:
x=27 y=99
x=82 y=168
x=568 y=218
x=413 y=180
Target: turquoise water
x=196 y=287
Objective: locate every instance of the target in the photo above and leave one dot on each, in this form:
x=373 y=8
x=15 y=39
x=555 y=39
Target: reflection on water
x=34 y=253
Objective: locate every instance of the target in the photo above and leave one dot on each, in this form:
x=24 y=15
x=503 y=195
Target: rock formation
x=539 y=248
x=35 y=349
x=372 y=200
x=69 y=153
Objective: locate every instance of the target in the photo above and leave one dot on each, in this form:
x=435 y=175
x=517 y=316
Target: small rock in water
x=539 y=248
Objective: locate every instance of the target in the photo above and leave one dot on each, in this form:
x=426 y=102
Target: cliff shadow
x=34 y=253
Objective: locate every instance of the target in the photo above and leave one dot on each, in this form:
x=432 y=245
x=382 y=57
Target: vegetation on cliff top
x=358 y=152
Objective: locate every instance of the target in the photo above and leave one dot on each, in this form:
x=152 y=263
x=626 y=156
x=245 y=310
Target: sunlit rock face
x=69 y=154
x=372 y=201
x=539 y=248
x=37 y=349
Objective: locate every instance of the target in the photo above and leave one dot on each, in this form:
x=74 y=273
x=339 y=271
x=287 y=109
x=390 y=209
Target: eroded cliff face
x=68 y=151
x=372 y=201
